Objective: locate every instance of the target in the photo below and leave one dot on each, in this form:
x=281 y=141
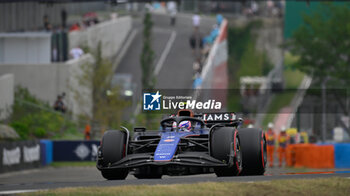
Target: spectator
x=75 y=27
x=282 y=145
x=254 y=8
x=148 y=7
x=270 y=7
x=87 y=132
x=54 y=54
x=196 y=43
x=219 y=19
x=172 y=9
x=197 y=66
x=197 y=81
x=64 y=18
x=63 y=98
x=213 y=34
x=196 y=20
x=76 y=53
x=54 y=46
x=47 y=25
x=59 y=105
x=90 y=19
x=270 y=141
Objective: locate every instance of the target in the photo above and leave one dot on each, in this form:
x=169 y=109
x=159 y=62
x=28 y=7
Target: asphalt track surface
x=176 y=70
x=173 y=58
x=51 y=178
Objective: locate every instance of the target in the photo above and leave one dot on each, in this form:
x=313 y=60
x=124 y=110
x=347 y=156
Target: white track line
x=19 y=191
x=165 y=53
x=124 y=49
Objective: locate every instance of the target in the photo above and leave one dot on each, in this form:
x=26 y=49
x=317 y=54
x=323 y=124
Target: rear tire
x=225 y=146
x=253 y=145
x=113 y=150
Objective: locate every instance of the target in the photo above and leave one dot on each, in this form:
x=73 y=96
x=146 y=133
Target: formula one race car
x=186 y=144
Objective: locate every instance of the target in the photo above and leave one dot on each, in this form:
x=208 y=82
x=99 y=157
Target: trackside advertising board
x=19 y=155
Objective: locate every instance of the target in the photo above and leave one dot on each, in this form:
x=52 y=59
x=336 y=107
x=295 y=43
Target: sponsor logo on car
x=219 y=117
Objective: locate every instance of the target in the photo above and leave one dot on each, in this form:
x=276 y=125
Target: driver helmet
x=185 y=125
x=174 y=125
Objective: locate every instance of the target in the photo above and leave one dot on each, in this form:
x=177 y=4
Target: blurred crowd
x=89 y=19
x=59 y=39
x=269 y=8
x=201 y=45
x=263 y=8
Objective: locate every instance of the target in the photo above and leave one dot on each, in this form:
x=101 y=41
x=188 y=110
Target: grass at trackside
x=320 y=186
x=293 y=78
x=74 y=164
x=70 y=136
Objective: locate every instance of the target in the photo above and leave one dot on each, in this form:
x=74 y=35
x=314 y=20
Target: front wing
x=189 y=159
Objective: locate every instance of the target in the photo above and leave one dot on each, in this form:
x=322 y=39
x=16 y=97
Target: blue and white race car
x=187 y=144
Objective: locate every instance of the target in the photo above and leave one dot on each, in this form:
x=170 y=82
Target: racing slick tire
x=113 y=150
x=254 y=156
x=225 y=146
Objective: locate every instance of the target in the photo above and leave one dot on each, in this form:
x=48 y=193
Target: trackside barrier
x=324 y=156
x=75 y=150
x=310 y=155
x=18 y=155
x=214 y=73
x=342 y=155
x=46 y=152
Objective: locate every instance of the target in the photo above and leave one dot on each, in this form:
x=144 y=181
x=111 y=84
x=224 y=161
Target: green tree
x=323 y=43
x=147 y=55
x=108 y=105
x=147 y=60
x=32 y=118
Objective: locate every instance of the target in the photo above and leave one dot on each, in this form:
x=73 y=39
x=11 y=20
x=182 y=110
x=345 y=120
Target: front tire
x=225 y=146
x=113 y=149
x=115 y=174
x=253 y=143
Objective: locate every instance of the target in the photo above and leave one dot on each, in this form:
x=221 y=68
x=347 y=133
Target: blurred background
x=72 y=69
